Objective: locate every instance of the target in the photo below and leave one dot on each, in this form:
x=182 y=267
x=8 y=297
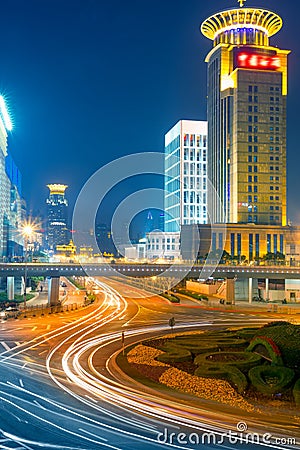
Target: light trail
x=105 y=394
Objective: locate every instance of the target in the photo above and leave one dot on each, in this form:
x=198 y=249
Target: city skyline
x=155 y=56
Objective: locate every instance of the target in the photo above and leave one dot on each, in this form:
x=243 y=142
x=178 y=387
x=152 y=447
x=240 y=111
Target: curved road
x=51 y=395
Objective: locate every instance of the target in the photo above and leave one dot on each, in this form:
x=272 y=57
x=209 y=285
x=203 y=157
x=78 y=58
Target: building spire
x=241 y=2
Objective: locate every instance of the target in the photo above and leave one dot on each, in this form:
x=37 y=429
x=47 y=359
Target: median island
x=254 y=369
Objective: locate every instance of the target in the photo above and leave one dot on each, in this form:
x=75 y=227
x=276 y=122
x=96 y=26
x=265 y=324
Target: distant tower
x=149 y=226
x=57 y=216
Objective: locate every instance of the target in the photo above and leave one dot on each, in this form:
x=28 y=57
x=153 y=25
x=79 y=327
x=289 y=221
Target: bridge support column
x=10 y=285
x=53 y=291
x=230 y=295
x=267 y=290
x=250 y=290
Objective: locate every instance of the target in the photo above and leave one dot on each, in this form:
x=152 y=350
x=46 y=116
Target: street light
x=27 y=231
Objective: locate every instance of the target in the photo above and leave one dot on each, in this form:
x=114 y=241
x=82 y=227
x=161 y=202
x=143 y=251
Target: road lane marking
x=18 y=343
x=92 y=434
x=48 y=327
x=4 y=344
x=21 y=382
x=34 y=328
x=90 y=398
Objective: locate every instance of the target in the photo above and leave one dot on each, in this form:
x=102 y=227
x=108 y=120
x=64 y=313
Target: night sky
x=88 y=81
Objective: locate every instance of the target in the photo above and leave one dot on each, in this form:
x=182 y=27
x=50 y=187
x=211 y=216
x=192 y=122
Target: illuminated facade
x=247 y=89
x=57 y=216
x=185 y=174
x=10 y=194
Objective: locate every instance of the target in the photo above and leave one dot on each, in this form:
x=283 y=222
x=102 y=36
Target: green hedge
x=230 y=373
x=196 y=348
x=231 y=343
x=174 y=354
x=296 y=392
x=172 y=298
x=246 y=361
x=272 y=349
x=247 y=333
x=263 y=379
x=286 y=336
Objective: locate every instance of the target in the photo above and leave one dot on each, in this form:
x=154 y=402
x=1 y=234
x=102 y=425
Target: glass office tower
x=185 y=174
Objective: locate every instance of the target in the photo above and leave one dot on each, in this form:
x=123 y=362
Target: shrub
x=263 y=379
x=231 y=343
x=247 y=333
x=286 y=337
x=172 y=298
x=174 y=354
x=197 y=348
x=241 y=360
x=296 y=392
x=272 y=349
x=229 y=373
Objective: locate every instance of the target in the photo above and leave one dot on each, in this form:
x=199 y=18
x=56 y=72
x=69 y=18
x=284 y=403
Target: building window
x=221 y=241
x=249 y=219
x=239 y=244
x=275 y=244
x=249 y=138
x=249 y=118
x=255 y=198
x=255 y=119
x=255 y=189
x=271 y=198
x=271 y=188
x=232 y=246
x=249 y=198
x=255 y=159
x=249 y=168
x=249 y=129
x=249 y=178
x=250 y=98
x=214 y=241
x=271 y=218
x=271 y=208
x=255 y=169
x=269 y=240
x=255 y=148
x=249 y=188
x=250 y=247
x=257 y=245
x=249 y=158
x=249 y=148
x=281 y=243
x=255 y=178
x=271 y=158
x=271 y=168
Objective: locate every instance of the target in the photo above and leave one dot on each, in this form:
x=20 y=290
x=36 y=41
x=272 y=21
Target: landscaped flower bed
x=218 y=365
x=143 y=359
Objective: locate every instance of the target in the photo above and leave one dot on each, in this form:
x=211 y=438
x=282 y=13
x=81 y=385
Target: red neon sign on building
x=258 y=61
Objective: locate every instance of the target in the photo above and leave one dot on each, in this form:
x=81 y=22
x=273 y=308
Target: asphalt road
x=53 y=396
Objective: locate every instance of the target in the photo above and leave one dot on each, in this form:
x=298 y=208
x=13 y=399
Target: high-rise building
x=10 y=194
x=247 y=89
x=57 y=216
x=185 y=174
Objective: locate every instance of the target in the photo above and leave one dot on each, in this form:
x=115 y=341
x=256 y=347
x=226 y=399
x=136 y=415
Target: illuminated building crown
x=240 y=26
